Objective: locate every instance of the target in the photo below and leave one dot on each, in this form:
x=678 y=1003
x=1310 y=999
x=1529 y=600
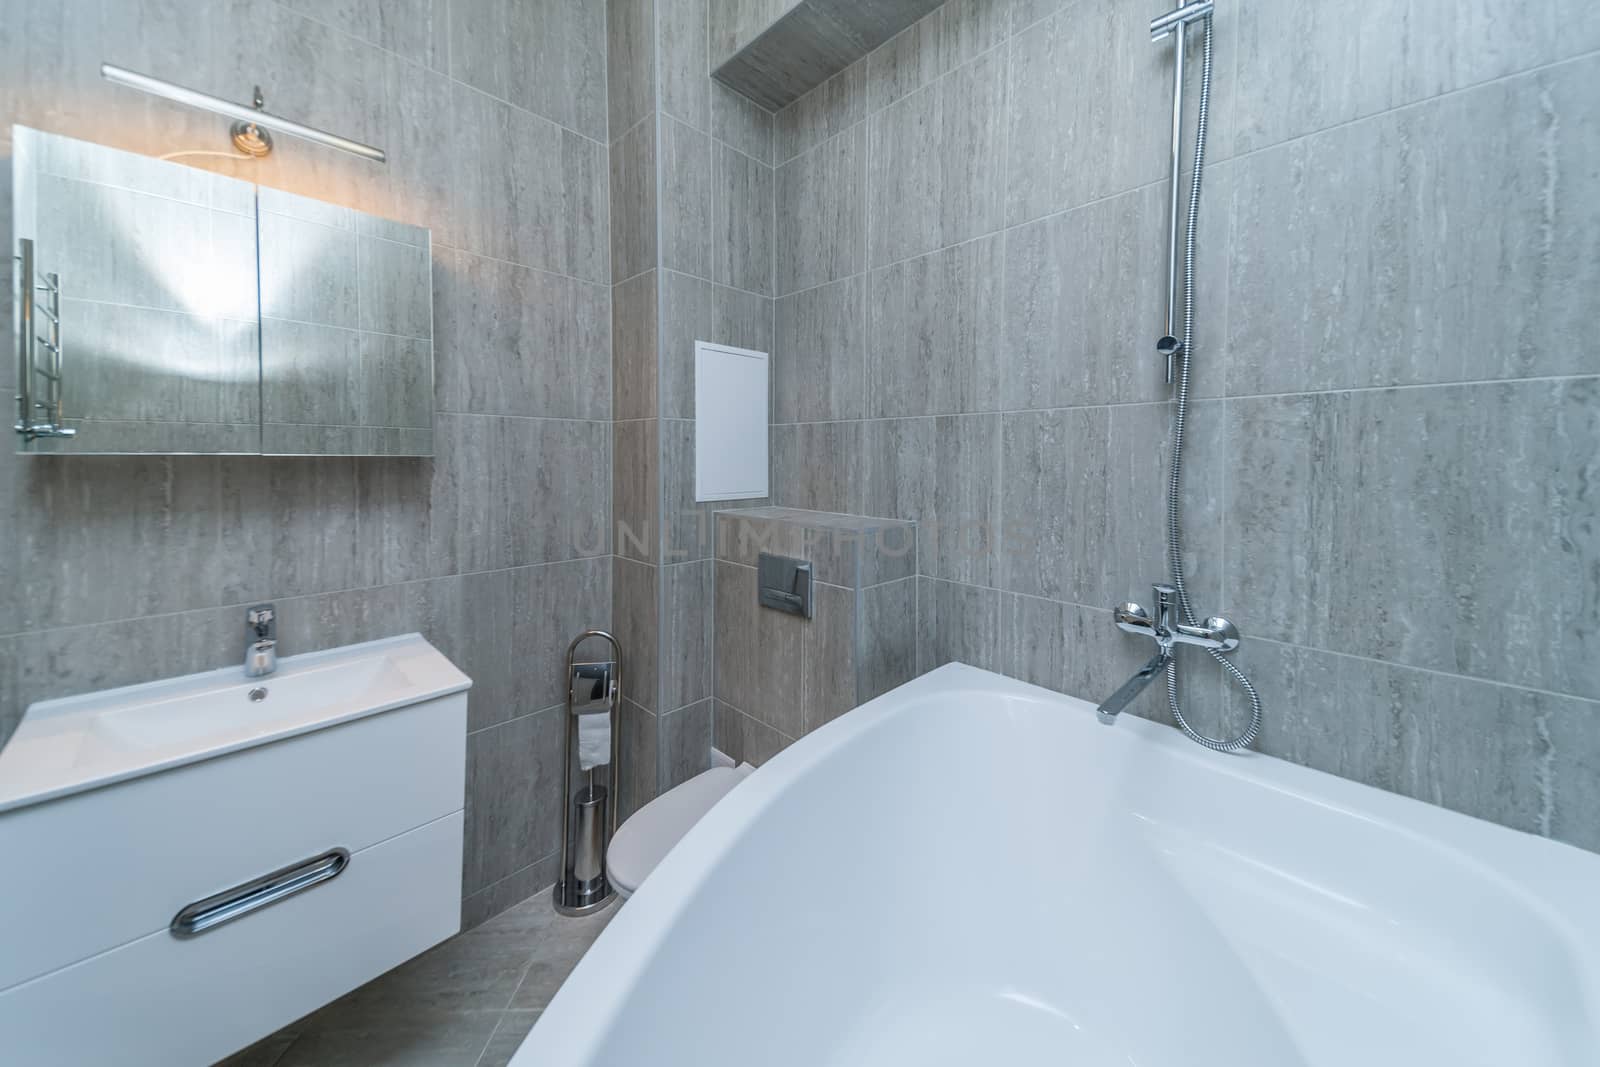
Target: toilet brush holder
x=588 y=814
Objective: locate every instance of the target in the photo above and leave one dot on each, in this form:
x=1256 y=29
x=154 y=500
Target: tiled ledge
x=805 y=42
x=850 y=551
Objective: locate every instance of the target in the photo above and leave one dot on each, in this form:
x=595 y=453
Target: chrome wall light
x=251 y=126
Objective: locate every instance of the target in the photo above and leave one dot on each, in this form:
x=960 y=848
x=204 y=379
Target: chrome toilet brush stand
x=588 y=816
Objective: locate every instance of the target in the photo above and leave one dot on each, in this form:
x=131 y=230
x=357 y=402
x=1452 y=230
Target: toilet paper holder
x=588 y=816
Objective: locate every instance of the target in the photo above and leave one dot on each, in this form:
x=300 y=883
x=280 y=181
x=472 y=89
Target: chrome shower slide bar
x=1178 y=18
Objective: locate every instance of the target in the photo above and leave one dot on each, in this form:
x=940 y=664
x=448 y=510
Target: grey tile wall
x=496 y=550
x=780 y=676
x=1394 y=434
x=692 y=189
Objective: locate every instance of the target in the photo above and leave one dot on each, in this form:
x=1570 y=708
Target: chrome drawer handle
x=241 y=900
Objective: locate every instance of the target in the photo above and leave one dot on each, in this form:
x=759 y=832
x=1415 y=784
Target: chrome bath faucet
x=1215 y=633
x=261 y=653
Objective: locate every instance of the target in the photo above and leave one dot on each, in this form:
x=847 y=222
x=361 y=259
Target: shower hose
x=1175 y=476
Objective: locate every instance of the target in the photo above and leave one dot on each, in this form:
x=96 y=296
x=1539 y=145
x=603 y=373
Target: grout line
x=514 y=719
x=1391 y=664
x=462 y=250
x=496 y=415
x=342 y=591
x=448 y=74
x=1210 y=400
x=1409 y=105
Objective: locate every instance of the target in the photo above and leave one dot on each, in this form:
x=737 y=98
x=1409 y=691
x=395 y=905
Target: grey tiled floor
x=466 y=1003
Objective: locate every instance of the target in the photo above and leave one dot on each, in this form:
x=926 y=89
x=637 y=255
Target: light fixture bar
x=237 y=112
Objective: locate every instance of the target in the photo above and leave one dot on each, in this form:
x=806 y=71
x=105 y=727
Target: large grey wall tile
x=742 y=221
x=1084 y=308
x=484 y=610
x=944 y=474
x=743 y=739
x=511 y=340
x=415 y=29
x=559 y=207
x=641 y=737
x=760 y=653
x=636 y=489
x=467 y=533
x=685 y=744
x=819 y=353
x=686 y=194
x=44 y=664
x=1521 y=758
x=77 y=522
x=288 y=525
x=480 y=45
x=635 y=364
x=635 y=615
x=935 y=164
x=558 y=62
x=1071 y=649
x=633 y=202
x=687 y=523
x=685 y=64
x=741 y=124
x=696 y=310
x=829 y=109
x=525 y=189
x=953 y=34
x=1372 y=276
x=1304 y=69
x=630 y=63
x=936 y=333
x=553 y=515
x=829 y=672
x=687 y=633
x=1053 y=503
x=512 y=816
x=821 y=227
x=817 y=466
x=957 y=623
x=1355 y=525
x=1057 y=119
x=394 y=519
x=552 y=604
x=887 y=638
x=502 y=494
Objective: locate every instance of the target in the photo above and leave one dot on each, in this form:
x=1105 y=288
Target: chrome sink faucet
x=261 y=653
x=1215 y=633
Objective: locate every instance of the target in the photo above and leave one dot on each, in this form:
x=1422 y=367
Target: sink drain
x=258 y=694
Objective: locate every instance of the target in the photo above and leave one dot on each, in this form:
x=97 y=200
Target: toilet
x=649 y=834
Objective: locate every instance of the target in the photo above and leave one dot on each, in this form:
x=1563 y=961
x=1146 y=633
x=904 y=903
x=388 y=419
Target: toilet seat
x=649 y=834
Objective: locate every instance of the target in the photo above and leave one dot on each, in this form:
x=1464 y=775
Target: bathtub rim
x=577 y=1020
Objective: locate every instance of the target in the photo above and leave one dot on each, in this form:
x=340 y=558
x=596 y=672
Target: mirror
x=178 y=311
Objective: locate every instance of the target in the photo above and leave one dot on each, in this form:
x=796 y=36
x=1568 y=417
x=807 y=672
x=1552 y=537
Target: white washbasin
x=77 y=743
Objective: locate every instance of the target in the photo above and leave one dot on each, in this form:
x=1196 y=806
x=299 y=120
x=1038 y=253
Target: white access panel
x=731 y=400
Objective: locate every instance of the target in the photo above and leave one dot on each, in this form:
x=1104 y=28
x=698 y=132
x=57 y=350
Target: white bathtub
x=970 y=870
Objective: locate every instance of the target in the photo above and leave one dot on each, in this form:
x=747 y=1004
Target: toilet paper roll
x=594 y=740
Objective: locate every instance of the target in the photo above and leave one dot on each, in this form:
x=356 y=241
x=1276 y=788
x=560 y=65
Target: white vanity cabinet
x=139 y=829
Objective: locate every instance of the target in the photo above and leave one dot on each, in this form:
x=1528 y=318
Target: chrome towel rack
x=30 y=407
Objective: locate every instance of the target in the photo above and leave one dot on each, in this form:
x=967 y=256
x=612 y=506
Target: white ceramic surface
x=973 y=870
x=66 y=746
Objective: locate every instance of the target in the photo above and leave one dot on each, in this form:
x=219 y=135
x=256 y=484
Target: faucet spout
x=261 y=653
x=1114 y=704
